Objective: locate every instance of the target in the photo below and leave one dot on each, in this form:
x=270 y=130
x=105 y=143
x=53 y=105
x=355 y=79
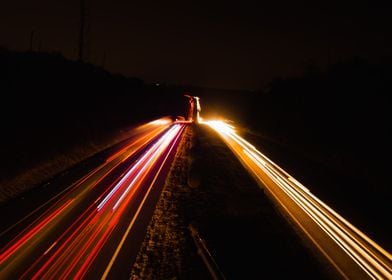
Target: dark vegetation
x=52 y=106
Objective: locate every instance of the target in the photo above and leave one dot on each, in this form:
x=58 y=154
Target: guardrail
x=205 y=254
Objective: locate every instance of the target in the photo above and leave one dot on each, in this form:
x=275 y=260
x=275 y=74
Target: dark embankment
x=55 y=112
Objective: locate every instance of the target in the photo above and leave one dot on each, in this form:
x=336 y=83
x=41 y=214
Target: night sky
x=221 y=44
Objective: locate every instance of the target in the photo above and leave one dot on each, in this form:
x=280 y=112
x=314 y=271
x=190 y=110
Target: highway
x=95 y=225
x=353 y=254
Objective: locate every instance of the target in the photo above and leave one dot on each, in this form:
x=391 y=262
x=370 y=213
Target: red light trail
x=67 y=239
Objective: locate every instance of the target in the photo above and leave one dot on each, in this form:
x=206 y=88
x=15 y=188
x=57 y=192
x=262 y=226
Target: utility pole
x=82 y=30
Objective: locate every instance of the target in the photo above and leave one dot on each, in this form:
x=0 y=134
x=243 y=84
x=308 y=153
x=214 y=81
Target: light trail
x=21 y=240
x=131 y=224
x=153 y=153
x=371 y=258
x=67 y=238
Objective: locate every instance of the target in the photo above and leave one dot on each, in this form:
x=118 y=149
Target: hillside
x=56 y=112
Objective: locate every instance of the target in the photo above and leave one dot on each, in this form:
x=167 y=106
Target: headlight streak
x=73 y=251
x=368 y=255
x=325 y=221
x=330 y=212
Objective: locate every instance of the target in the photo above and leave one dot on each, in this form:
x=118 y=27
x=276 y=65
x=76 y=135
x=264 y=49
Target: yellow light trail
x=371 y=258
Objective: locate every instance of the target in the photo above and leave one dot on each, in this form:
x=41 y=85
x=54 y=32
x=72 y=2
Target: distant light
x=220 y=126
x=161 y=121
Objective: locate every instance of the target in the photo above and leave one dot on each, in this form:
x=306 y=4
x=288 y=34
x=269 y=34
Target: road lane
x=66 y=240
x=351 y=252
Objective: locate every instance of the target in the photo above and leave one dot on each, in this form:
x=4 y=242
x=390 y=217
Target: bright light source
x=161 y=121
x=220 y=126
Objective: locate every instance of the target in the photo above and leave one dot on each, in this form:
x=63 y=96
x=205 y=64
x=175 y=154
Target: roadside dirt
x=244 y=232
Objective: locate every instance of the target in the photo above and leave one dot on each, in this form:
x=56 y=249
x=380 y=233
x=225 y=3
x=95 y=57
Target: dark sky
x=223 y=44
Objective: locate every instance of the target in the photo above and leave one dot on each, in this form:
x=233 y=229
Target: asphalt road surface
x=353 y=254
x=94 y=227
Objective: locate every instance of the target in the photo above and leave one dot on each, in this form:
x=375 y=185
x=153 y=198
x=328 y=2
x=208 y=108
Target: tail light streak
x=72 y=253
x=95 y=230
x=18 y=242
x=145 y=160
x=156 y=150
x=108 y=268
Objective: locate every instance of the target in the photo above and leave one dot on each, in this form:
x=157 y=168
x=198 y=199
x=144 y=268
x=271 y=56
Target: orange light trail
x=370 y=257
